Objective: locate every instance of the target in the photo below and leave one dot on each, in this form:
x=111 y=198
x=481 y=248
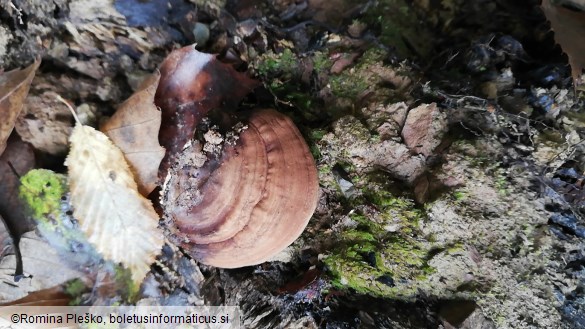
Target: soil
x=447 y=136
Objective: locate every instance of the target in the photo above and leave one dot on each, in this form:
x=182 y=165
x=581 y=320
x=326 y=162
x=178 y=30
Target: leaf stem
x=60 y=99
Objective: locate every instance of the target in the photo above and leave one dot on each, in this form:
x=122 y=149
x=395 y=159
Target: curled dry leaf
x=14 y=87
x=43 y=265
x=191 y=84
x=20 y=156
x=117 y=220
x=134 y=129
x=54 y=296
x=250 y=203
x=569 y=28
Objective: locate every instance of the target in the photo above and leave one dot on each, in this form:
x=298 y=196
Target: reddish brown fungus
x=238 y=200
x=191 y=84
x=252 y=202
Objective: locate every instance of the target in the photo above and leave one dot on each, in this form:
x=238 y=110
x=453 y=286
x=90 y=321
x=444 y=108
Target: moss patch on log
x=380 y=252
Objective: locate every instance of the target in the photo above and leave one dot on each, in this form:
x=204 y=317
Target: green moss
x=352 y=83
x=128 y=289
x=367 y=76
x=315 y=152
x=577 y=117
x=42 y=191
x=551 y=137
x=284 y=65
x=75 y=289
x=502 y=185
x=499 y=178
x=345 y=86
x=368 y=253
x=386 y=199
x=284 y=74
x=317 y=134
x=460 y=195
x=456 y=247
x=281 y=74
x=321 y=62
x=324 y=169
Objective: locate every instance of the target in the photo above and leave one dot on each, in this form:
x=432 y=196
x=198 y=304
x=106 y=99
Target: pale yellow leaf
x=120 y=222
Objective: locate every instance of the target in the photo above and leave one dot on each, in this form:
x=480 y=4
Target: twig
x=13 y=169
x=18 y=13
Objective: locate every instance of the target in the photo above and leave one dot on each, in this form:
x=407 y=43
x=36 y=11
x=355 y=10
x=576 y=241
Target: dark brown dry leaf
x=21 y=156
x=569 y=28
x=14 y=87
x=300 y=282
x=134 y=129
x=54 y=296
x=18 y=158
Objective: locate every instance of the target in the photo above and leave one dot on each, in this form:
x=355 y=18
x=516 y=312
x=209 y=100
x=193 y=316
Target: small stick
x=13 y=169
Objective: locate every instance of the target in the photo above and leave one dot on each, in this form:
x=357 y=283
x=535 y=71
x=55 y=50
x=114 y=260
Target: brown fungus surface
x=247 y=204
x=192 y=84
x=239 y=198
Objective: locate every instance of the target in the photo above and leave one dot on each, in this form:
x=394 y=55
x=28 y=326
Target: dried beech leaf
x=134 y=129
x=14 y=87
x=569 y=28
x=54 y=296
x=21 y=156
x=18 y=156
x=43 y=265
x=117 y=220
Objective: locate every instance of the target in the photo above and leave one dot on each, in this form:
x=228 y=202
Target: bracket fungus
x=192 y=84
x=241 y=198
